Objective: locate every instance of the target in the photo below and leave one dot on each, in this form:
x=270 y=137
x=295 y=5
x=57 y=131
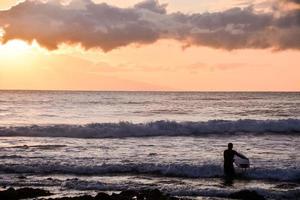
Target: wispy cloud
x=108 y=27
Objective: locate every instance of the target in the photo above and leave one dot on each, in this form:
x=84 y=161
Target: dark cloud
x=108 y=27
x=293 y=1
x=152 y=5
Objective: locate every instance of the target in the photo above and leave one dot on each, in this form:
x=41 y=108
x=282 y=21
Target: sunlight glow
x=15 y=47
x=16 y=54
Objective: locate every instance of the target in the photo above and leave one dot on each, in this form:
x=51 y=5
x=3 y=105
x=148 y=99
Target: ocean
x=83 y=142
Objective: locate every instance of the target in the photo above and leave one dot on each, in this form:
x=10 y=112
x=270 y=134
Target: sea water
x=79 y=142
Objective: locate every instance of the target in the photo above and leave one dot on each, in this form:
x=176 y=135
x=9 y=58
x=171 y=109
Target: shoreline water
x=173 y=142
x=163 y=155
x=84 y=166
x=212 y=188
x=145 y=194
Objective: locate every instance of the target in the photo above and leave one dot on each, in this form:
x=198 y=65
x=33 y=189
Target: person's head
x=230 y=145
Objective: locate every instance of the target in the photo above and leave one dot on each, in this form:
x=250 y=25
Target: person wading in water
x=228 y=161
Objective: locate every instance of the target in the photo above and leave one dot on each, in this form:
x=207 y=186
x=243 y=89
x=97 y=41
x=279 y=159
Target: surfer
x=228 y=161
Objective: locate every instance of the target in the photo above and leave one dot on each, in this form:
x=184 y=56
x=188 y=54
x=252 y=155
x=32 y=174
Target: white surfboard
x=241 y=162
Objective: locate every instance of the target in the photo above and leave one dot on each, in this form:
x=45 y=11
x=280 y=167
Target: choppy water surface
x=185 y=166
x=170 y=141
x=28 y=107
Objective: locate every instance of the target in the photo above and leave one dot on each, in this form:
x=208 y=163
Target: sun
x=19 y=50
x=15 y=47
x=16 y=54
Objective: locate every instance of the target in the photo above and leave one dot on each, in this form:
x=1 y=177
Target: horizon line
x=191 y=91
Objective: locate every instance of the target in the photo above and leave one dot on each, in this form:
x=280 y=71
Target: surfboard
x=241 y=162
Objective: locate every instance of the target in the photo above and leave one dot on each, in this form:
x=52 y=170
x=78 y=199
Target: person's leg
x=229 y=171
x=232 y=171
x=228 y=175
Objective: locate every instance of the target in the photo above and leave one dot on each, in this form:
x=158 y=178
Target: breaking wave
x=165 y=170
x=156 y=128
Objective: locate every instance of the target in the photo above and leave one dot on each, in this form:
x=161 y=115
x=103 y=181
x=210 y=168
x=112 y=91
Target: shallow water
x=184 y=166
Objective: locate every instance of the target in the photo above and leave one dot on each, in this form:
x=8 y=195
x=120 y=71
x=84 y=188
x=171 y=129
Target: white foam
x=157 y=128
x=171 y=170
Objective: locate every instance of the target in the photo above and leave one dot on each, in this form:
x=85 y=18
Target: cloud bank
x=108 y=27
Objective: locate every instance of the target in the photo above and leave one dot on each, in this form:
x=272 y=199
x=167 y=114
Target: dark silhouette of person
x=228 y=161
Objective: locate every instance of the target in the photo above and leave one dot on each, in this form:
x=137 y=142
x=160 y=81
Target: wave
x=177 y=190
x=171 y=187
x=10 y=157
x=165 y=170
x=157 y=128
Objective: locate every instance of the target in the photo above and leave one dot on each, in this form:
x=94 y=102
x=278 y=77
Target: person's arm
x=240 y=155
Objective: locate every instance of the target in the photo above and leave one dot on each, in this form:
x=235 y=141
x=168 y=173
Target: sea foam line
x=156 y=128
x=166 y=170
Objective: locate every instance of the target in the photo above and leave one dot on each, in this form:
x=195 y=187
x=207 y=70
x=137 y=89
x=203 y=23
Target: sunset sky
x=194 y=45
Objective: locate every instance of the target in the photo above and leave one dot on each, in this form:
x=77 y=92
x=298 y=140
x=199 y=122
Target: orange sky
x=160 y=65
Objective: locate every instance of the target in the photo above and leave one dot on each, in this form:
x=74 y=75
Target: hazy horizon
x=203 y=91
